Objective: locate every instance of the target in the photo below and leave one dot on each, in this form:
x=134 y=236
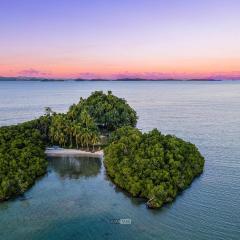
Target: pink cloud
x=33 y=73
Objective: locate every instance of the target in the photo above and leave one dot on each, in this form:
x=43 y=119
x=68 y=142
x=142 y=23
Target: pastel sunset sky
x=115 y=39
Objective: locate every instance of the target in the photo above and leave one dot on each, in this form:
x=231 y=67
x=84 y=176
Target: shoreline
x=59 y=152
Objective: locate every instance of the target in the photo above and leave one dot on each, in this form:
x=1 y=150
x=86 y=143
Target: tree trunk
x=76 y=142
x=71 y=140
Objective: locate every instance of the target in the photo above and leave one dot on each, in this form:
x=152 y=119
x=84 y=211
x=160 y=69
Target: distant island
x=149 y=165
x=102 y=79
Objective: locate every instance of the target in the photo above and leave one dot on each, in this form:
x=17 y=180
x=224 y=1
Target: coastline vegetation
x=84 y=123
x=22 y=158
x=149 y=165
x=22 y=146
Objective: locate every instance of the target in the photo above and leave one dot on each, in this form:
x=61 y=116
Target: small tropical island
x=150 y=165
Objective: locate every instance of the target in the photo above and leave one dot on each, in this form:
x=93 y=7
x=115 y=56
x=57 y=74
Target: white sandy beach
x=71 y=152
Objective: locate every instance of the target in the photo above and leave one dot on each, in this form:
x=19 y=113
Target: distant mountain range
x=121 y=79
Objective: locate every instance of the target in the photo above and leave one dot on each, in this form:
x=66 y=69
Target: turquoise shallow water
x=75 y=200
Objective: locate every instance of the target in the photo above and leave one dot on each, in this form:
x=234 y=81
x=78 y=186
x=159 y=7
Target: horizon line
x=29 y=78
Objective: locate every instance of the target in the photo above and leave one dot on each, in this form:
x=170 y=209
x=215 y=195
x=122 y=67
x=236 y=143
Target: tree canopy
x=77 y=133
x=22 y=146
x=22 y=157
x=81 y=126
x=151 y=165
x=108 y=111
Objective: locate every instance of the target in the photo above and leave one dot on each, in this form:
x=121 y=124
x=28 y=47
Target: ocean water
x=76 y=200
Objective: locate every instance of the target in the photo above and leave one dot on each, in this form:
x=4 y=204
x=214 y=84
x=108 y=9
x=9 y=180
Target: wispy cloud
x=31 y=72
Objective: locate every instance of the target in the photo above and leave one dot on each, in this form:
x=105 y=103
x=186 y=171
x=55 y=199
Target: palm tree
x=94 y=139
x=52 y=133
x=85 y=137
x=86 y=119
x=76 y=133
x=81 y=138
x=69 y=131
x=62 y=139
x=56 y=135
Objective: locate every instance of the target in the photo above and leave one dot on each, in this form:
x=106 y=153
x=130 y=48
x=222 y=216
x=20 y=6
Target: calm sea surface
x=75 y=200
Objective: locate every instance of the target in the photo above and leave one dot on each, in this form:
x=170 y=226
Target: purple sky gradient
x=93 y=38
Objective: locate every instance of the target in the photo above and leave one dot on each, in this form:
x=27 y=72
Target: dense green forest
x=108 y=111
x=22 y=146
x=82 y=125
x=22 y=157
x=151 y=165
x=78 y=133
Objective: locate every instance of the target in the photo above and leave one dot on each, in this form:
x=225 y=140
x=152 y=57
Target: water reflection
x=75 y=167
